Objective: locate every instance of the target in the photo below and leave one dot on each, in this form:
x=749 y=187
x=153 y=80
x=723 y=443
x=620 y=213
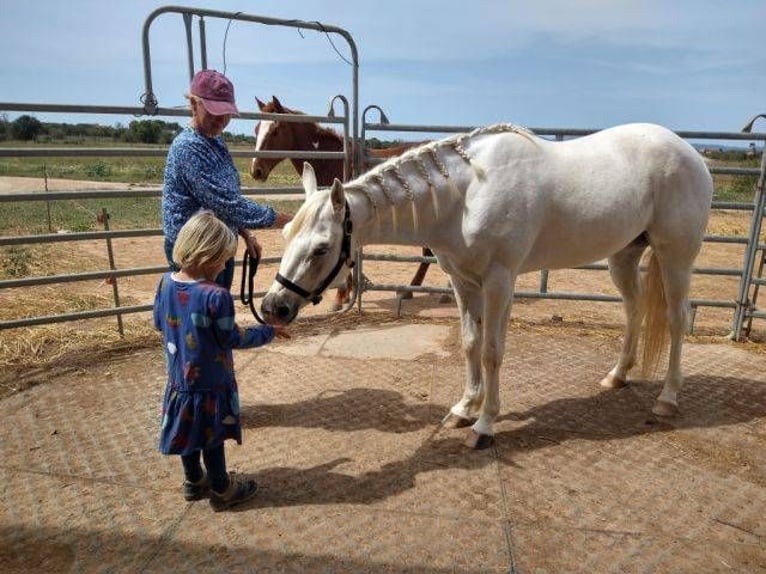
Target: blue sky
x=686 y=64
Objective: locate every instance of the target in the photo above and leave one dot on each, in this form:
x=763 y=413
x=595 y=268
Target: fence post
x=743 y=301
x=104 y=217
x=47 y=201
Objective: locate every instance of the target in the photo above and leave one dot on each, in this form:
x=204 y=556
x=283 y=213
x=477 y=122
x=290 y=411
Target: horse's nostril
x=283 y=311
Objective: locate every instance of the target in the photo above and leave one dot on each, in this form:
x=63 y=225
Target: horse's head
x=318 y=254
x=270 y=135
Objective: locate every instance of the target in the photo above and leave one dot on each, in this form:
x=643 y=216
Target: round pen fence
x=747 y=270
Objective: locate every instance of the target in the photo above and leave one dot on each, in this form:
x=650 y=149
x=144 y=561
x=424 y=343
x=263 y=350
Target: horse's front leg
x=468 y=296
x=497 y=297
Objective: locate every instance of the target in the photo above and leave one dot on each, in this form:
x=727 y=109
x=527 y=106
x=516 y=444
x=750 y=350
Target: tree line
x=27 y=128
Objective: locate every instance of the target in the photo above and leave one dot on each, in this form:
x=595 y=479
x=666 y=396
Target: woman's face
x=206 y=123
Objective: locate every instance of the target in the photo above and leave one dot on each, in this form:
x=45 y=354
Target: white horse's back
x=561 y=204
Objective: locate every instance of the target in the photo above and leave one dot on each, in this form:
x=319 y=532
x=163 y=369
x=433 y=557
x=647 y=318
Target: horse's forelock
x=306 y=213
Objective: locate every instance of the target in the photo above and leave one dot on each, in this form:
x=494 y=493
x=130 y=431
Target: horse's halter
x=344 y=258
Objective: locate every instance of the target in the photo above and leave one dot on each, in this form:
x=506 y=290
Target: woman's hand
x=251 y=243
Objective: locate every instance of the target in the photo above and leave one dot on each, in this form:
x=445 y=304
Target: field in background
x=142 y=213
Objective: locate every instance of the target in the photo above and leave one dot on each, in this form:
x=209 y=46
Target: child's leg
x=192 y=467
x=196 y=483
x=215 y=463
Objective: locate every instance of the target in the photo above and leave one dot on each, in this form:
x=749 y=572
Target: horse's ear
x=261 y=105
x=309 y=179
x=338 y=197
x=277 y=105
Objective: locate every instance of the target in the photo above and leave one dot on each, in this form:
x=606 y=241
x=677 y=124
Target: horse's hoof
x=452 y=421
x=335 y=307
x=478 y=441
x=404 y=294
x=445 y=298
x=665 y=409
x=612 y=382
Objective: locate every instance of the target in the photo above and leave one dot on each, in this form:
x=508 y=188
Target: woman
x=200 y=173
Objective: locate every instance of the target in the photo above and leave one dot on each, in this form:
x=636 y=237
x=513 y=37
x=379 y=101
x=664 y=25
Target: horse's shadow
x=607 y=415
x=347 y=410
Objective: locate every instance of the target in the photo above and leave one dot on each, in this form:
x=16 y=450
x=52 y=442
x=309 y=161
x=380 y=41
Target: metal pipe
x=112 y=279
x=189 y=44
x=743 y=301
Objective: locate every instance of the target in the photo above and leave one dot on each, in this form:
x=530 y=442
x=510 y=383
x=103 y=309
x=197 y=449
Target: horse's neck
x=411 y=204
x=320 y=139
x=418 y=198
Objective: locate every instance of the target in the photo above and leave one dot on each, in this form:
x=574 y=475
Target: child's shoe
x=196 y=490
x=239 y=490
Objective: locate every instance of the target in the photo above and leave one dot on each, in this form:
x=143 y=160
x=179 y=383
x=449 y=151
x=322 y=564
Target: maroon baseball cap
x=216 y=92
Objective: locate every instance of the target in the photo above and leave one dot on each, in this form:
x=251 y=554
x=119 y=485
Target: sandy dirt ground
x=581 y=474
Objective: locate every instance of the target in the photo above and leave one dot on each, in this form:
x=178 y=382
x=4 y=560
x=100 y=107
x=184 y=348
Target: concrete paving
x=342 y=433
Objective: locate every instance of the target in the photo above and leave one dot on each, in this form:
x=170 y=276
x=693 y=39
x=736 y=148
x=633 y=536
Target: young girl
x=201 y=405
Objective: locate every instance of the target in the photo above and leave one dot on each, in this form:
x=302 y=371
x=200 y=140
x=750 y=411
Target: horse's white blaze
x=500 y=202
x=263 y=132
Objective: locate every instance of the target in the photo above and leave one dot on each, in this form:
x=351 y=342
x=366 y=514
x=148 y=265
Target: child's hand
x=280 y=332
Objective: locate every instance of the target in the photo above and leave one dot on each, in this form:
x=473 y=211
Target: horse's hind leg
x=624 y=270
x=676 y=277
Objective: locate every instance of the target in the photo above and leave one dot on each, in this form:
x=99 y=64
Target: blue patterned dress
x=201 y=405
x=200 y=174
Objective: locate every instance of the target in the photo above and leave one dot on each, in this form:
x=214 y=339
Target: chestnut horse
x=310 y=136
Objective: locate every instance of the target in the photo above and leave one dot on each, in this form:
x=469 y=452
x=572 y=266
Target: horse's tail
x=655 y=333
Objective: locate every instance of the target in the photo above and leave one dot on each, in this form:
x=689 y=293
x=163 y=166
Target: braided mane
x=419 y=155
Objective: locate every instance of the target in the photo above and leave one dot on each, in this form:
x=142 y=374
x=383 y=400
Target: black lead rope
x=249 y=269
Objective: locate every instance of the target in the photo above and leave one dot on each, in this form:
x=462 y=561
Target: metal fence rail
x=743 y=307
x=107 y=235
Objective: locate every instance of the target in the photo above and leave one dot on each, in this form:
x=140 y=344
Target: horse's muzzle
x=278 y=311
x=257 y=172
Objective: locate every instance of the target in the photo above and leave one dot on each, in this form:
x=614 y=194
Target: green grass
x=33 y=217
x=145 y=170
x=141 y=213
x=734 y=188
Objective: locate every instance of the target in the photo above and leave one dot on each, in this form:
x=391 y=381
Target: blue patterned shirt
x=200 y=174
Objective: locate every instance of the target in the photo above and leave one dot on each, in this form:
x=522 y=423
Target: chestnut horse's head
x=271 y=135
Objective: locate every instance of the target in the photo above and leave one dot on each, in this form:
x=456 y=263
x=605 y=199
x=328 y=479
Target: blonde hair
x=204 y=240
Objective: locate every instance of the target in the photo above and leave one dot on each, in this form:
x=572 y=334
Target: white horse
x=499 y=202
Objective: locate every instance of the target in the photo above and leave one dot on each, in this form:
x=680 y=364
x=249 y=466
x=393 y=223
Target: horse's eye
x=320 y=251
